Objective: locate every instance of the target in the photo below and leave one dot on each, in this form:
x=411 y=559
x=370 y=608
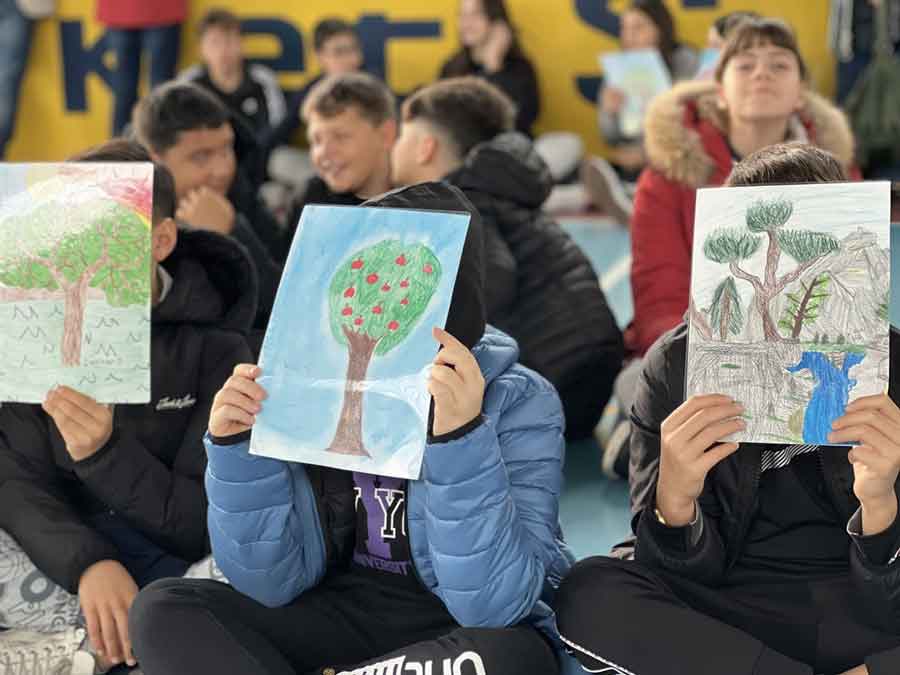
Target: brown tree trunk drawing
x=348 y=437
x=724 y=316
x=73 y=322
x=801 y=308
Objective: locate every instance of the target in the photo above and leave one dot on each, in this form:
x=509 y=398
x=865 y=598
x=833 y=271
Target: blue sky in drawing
x=304 y=367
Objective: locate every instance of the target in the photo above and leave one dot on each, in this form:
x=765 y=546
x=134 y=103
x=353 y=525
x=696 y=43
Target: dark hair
x=369 y=95
x=175 y=107
x=329 y=28
x=727 y=22
x=123 y=150
x=785 y=163
x=749 y=33
x=218 y=18
x=468 y=109
x=462 y=62
x=659 y=14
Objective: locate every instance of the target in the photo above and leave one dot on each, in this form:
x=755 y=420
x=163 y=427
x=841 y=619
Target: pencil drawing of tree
x=731 y=246
x=726 y=313
x=803 y=306
x=376 y=298
x=102 y=243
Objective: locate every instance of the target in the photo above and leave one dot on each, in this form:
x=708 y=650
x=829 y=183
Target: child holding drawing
x=97 y=501
x=467 y=555
x=753 y=558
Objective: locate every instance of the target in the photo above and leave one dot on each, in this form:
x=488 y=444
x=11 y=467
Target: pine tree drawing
x=804 y=306
x=730 y=246
x=726 y=313
x=376 y=298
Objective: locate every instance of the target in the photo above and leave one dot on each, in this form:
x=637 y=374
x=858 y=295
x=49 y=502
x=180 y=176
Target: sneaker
x=24 y=652
x=606 y=190
x=616 y=452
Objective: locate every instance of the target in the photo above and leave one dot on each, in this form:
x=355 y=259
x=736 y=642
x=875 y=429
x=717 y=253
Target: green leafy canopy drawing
x=376 y=298
x=101 y=244
x=765 y=220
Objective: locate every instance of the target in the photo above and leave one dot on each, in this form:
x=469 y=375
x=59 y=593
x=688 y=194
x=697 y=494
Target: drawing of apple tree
x=103 y=243
x=765 y=221
x=376 y=298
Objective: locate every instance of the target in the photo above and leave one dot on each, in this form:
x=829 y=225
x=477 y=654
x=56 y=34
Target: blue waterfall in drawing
x=830 y=395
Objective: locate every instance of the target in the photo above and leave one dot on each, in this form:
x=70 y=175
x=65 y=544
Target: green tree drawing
x=376 y=298
x=104 y=243
x=804 y=306
x=726 y=312
x=730 y=246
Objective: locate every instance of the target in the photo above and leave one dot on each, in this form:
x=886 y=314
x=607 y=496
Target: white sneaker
x=24 y=652
x=606 y=190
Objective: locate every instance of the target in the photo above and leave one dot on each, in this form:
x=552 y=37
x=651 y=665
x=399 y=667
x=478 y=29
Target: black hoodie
x=151 y=470
x=541 y=288
x=467 y=316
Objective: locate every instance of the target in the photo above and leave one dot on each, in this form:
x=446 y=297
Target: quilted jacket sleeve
x=491 y=506
x=263 y=524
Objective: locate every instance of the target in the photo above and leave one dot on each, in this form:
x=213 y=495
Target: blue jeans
x=161 y=44
x=15 y=40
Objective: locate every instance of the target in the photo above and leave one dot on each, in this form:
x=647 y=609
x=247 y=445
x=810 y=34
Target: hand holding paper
x=456 y=384
x=874 y=423
x=691 y=445
x=84 y=424
x=235 y=407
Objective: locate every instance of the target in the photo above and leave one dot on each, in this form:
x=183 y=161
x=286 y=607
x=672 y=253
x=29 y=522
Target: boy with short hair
x=351 y=124
x=96 y=500
x=543 y=290
x=334 y=571
x=750 y=558
x=189 y=131
x=250 y=91
x=338 y=51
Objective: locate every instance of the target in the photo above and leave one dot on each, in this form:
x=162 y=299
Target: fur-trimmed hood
x=680 y=131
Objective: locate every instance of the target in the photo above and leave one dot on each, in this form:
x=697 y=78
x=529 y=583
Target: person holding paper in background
x=470 y=552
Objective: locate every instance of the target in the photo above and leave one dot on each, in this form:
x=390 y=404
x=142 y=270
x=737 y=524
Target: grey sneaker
x=24 y=652
x=606 y=190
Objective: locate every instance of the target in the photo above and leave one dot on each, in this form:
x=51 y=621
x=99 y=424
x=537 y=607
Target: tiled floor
x=594 y=509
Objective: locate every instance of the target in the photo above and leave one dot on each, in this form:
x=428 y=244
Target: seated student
x=647 y=24
x=188 y=130
x=543 y=291
x=338 y=51
x=97 y=501
x=250 y=92
x=320 y=585
x=694 y=134
x=351 y=124
x=753 y=558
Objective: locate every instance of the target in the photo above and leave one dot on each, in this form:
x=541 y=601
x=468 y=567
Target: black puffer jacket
x=151 y=470
x=541 y=288
x=730 y=497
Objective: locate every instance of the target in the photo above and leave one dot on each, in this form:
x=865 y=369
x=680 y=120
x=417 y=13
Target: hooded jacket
x=150 y=471
x=541 y=288
x=730 y=497
x=687 y=148
x=482 y=517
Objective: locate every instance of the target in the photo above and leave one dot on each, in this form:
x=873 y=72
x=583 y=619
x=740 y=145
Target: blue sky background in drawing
x=304 y=367
x=838 y=209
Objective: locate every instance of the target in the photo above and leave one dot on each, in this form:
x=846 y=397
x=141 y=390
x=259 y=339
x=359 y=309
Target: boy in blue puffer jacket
x=340 y=572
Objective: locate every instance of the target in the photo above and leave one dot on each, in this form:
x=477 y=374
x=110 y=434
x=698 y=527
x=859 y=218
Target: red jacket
x=140 y=13
x=687 y=148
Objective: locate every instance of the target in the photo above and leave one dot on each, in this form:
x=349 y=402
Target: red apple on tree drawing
x=376 y=298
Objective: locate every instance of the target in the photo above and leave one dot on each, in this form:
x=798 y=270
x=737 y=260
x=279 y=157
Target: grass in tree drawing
x=765 y=221
x=75 y=237
x=375 y=299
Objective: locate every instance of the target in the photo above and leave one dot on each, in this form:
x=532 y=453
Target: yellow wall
x=561 y=43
